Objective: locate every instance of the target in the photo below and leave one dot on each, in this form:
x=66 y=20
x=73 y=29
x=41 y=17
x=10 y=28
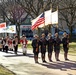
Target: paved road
x=25 y=65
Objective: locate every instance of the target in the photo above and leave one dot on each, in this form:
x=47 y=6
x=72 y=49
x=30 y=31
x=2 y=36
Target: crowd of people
x=39 y=44
x=12 y=44
x=50 y=44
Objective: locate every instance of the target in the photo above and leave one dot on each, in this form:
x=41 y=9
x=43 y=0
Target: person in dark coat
x=65 y=41
x=50 y=42
x=3 y=44
x=15 y=44
x=56 y=29
x=43 y=43
x=57 y=43
x=35 y=45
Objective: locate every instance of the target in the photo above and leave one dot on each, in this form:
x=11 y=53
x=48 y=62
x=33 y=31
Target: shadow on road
x=62 y=65
x=19 y=55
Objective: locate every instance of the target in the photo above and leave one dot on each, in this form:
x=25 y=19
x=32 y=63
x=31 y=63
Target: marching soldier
x=35 y=45
x=6 y=43
x=3 y=44
x=65 y=41
x=10 y=44
x=15 y=44
x=57 y=43
x=50 y=42
x=43 y=43
x=24 y=44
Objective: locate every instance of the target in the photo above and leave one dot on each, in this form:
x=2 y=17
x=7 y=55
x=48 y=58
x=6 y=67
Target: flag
x=38 y=21
x=48 y=17
x=42 y=25
x=2 y=25
x=55 y=17
x=9 y=29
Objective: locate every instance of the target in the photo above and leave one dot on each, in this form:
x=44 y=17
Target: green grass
x=4 y=71
x=72 y=48
x=28 y=45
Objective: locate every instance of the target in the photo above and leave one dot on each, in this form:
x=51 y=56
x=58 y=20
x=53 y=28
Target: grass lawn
x=4 y=71
x=72 y=48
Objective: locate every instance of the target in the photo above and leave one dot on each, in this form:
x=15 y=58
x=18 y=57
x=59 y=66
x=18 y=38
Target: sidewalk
x=25 y=65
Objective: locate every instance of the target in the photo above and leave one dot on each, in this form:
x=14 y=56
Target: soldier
x=57 y=43
x=24 y=44
x=10 y=44
x=15 y=44
x=3 y=44
x=43 y=43
x=6 y=43
x=50 y=42
x=35 y=45
x=65 y=41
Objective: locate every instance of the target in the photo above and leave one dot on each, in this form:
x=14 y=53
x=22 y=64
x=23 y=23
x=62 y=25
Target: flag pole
x=44 y=14
x=56 y=29
x=44 y=17
x=51 y=18
x=58 y=22
x=57 y=11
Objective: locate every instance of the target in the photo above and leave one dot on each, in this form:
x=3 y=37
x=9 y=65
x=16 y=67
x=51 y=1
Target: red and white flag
x=38 y=21
x=2 y=25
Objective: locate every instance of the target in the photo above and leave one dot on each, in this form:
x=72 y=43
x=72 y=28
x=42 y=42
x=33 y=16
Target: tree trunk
x=18 y=31
x=70 y=28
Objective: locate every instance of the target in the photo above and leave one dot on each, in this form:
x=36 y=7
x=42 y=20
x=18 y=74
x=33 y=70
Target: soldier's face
x=7 y=37
x=16 y=38
x=36 y=37
x=56 y=35
x=23 y=37
x=49 y=35
x=65 y=35
x=43 y=36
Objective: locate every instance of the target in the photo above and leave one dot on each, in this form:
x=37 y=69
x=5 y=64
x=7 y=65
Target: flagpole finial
x=57 y=7
x=51 y=1
x=51 y=6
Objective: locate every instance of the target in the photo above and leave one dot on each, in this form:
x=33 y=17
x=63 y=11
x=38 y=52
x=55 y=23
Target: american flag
x=38 y=21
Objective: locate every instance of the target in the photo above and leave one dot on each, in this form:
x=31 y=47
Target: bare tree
x=13 y=12
x=67 y=11
x=16 y=8
x=34 y=7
